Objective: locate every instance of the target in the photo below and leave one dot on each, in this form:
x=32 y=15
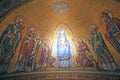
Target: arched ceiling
x=82 y=13
x=7 y=5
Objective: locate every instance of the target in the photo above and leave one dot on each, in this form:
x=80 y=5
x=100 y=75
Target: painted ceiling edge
x=11 y=9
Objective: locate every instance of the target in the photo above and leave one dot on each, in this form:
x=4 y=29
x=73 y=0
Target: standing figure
x=37 y=48
x=37 y=42
x=99 y=46
x=28 y=43
x=30 y=65
x=84 y=57
x=45 y=55
x=64 y=55
x=112 y=29
x=9 y=40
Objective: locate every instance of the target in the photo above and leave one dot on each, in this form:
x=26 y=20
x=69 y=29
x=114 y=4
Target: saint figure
x=45 y=54
x=112 y=29
x=84 y=57
x=9 y=41
x=28 y=43
x=99 y=46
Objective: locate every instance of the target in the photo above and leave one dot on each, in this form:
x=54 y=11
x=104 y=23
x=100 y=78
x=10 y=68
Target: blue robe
x=113 y=28
x=29 y=60
x=63 y=52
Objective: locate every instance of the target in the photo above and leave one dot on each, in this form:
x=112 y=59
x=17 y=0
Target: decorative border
x=62 y=74
x=5 y=13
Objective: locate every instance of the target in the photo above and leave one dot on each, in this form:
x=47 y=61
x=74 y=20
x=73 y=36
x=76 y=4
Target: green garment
x=8 y=45
x=98 y=43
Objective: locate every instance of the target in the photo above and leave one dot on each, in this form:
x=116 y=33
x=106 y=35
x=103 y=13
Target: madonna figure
x=64 y=56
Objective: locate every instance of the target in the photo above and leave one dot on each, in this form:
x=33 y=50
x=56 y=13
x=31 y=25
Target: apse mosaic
x=63 y=51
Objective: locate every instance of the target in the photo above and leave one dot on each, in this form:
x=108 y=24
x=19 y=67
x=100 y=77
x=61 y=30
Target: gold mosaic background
x=82 y=13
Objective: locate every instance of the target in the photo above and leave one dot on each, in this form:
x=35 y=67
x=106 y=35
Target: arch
x=69 y=36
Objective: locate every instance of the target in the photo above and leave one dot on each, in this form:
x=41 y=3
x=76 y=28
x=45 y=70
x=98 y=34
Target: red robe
x=82 y=56
x=27 y=46
x=44 y=55
x=116 y=21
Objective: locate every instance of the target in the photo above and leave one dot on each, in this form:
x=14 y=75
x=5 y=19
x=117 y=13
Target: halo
x=107 y=12
x=93 y=27
x=32 y=29
x=18 y=19
x=81 y=39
